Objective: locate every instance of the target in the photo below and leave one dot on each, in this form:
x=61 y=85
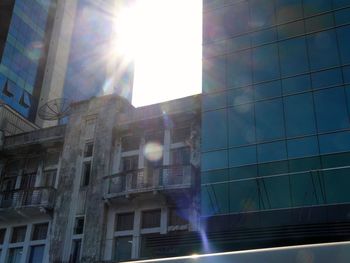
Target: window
x=151 y=218
x=180 y=134
x=331 y=110
x=79 y=226
x=214 y=160
x=49 y=178
x=130 y=143
x=15 y=255
x=25 y=100
x=269 y=120
x=214 y=101
x=288 y=10
x=75 y=251
x=299 y=115
x=296 y=84
x=86 y=173
x=293 y=56
x=213 y=74
x=40 y=231
x=344 y=43
x=88 y=149
x=178 y=217
x=319 y=23
x=18 y=234
x=268 y=90
x=180 y=156
x=265 y=63
x=240 y=96
x=264 y=37
x=327 y=78
x=130 y=163
x=236 y=19
x=7 y=90
x=273 y=151
x=214 y=126
x=2 y=235
x=302 y=147
x=241 y=125
x=123 y=248
x=124 y=222
x=242 y=156
x=336 y=142
x=290 y=30
x=312 y=7
x=239 y=69
x=262 y=13
x=323 y=50
x=36 y=254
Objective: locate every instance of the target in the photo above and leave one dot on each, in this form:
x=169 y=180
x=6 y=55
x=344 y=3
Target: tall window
x=151 y=218
x=86 y=173
x=124 y=222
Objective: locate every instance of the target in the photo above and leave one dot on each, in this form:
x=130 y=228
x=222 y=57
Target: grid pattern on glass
x=276 y=102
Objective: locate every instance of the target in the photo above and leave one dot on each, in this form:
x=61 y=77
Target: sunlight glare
x=163 y=38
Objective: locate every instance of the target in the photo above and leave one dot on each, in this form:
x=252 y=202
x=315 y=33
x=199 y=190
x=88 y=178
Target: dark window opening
x=40 y=231
x=18 y=234
x=124 y=222
x=151 y=218
x=130 y=163
x=130 y=143
x=86 y=173
x=89 y=147
x=79 y=226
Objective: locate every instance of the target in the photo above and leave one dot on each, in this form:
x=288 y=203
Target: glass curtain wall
x=24 y=55
x=275 y=110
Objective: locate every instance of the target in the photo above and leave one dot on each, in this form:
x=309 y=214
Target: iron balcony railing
x=165 y=177
x=38 y=196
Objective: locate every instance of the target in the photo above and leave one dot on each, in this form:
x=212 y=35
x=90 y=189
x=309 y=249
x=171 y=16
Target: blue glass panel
x=312 y=7
x=265 y=63
x=242 y=156
x=299 y=115
x=241 y=125
x=327 y=78
x=293 y=56
x=244 y=196
x=269 y=120
x=214 y=101
x=303 y=147
x=214 y=176
x=274 y=192
x=214 y=130
x=344 y=43
x=288 y=10
x=213 y=74
x=237 y=18
x=268 y=90
x=318 y=23
x=291 y=30
x=262 y=13
x=323 y=51
x=264 y=37
x=274 y=151
x=346 y=74
x=238 y=43
x=306 y=189
x=340 y=3
x=296 y=84
x=342 y=16
x=214 y=160
x=216 y=198
x=336 y=183
x=334 y=142
x=240 y=96
x=242 y=172
x=239 y=69
x=213 y=25
x=331 y=110
x=214 y=49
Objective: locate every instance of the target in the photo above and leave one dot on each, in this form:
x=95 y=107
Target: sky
x=164 y=39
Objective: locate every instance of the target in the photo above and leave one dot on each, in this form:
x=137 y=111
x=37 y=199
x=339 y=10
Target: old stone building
x=104 y=185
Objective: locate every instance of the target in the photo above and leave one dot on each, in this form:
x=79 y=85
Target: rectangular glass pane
x=214 y=126
x=265 y=63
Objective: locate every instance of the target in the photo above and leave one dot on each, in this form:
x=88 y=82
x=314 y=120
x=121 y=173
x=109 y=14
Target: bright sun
x=163 y=38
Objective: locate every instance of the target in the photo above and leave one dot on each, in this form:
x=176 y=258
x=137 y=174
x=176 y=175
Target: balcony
x=46 y=135
x=165 y=178
x=26 y=202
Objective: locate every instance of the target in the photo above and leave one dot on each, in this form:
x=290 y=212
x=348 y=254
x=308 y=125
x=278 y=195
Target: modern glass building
x=25 y=28
x=91 y=70
x=275 y=122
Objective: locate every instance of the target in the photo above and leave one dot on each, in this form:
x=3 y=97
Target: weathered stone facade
x=105 y=172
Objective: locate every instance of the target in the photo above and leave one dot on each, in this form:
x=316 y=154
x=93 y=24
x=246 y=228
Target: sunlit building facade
x=275 y=122
x=25 y=33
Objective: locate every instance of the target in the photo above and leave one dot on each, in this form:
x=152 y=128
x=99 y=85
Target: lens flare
x=153 y=151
